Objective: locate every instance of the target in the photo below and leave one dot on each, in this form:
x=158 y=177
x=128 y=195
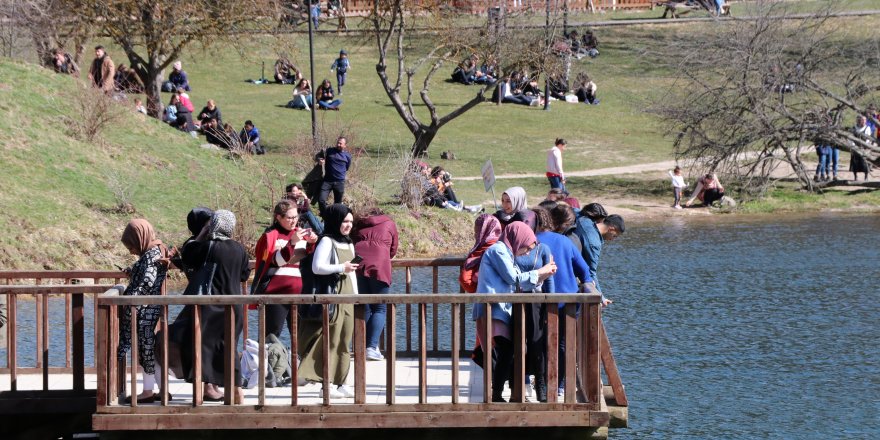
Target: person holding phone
x=278 y=254
x=375 y=241
x=333 y=255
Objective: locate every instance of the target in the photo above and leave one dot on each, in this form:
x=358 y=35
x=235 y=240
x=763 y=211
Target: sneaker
x=677 y=206
x=534 y=103
x=345 y=390
x=373 y=354
x=336 y=393
x=560 y=392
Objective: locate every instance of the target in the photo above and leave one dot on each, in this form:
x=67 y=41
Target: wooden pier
x=418 y=385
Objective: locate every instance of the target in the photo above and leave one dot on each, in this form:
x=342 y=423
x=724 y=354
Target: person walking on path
x=103 y=71
x=341 y=65
x=678 y=185
x=857 y=162
x=554 y=165
x=337 y=161
x=333 y=255
x=146 y=277
x=375 y=241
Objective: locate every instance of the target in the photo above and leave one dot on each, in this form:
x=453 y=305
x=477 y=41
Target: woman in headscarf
x=215 y=245
x=332 y=256
x=500 y=274
x=195 y=221
x=146 y=277
x=278 y=253
x=487 y=231
x=514 y=207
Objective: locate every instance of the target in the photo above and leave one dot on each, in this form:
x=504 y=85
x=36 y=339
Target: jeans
x=340 y=80
x=718 y=5
x=330 y=104
x=823 y=170
x=338 y=192
x=833 y=158
x=556 y=182
x=518 y=99
x=677 y=192
x=375 y=313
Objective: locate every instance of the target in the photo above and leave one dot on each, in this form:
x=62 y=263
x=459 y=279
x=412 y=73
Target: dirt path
x=629 y=169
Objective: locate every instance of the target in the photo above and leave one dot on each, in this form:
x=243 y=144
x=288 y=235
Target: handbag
x=202 y=280
x=324 y=285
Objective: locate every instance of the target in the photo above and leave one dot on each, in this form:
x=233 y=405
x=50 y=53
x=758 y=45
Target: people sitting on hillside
x=210 y=112
x=170 y=114
x=213 y=132
x=126 y=80
x=250 y=138
x=470 y=71
x=708 y=190
x=176 y=79
x=585 y=89
x=512 y=96
x=465 y=72
x=558 y=87
x=326 y=98
x=286 y=72
x=184 y=99
x=63 y=63
x=302 y=95
x=523 y=83
x=183 y=116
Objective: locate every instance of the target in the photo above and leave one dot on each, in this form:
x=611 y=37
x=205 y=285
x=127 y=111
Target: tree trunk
x=153 y=88
x=424 y=136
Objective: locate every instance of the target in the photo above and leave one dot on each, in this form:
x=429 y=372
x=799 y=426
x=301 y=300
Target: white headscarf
x=178 y=65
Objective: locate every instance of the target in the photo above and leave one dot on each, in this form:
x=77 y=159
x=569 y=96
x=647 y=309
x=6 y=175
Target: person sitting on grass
x=586 y=89
x=183 y=121
x=210 y=112
x=127 y=81
x=508 y=95
x=63 y=63
x=326 y=98
x=176 y=79
x=285 y=71
x=250 y=138
x=171 y=110
x=302 y=95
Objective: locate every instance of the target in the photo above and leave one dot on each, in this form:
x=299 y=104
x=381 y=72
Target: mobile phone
x=121 y=269
x=357 y=259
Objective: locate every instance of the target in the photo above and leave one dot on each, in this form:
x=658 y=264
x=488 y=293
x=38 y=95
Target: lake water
x=731 y=328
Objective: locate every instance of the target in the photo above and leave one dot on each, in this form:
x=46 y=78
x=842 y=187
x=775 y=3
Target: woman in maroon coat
x=375 y=240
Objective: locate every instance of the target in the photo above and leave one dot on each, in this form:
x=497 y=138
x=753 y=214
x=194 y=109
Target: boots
x=502 y=363
x=541 y=387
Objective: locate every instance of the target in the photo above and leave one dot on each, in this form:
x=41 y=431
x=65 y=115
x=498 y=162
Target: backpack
x=278 y=361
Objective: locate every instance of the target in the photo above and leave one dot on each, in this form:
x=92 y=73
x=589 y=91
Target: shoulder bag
x=202 y=280
x=324 y=285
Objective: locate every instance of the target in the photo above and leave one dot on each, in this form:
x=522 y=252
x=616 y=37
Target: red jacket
x=375 y=240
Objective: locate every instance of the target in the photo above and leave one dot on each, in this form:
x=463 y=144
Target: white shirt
x=554 y=161
x=677 y=181
x=321 y=262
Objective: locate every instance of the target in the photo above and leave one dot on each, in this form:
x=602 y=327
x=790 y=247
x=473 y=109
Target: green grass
x=789 y=198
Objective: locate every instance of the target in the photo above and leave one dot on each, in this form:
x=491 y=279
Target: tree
x=753 y=94
x=47 y=24
x=154 y=34
x=389 y=27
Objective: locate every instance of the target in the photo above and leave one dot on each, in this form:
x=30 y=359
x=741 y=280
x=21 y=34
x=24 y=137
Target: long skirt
x=310 y=343
x=213 y=319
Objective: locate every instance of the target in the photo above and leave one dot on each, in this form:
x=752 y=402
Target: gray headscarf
x=222 y=225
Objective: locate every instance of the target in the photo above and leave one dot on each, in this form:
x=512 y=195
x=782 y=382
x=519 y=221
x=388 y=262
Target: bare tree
x=47 y=24
x=154 y=34
x=755 y=93
x=389 y=26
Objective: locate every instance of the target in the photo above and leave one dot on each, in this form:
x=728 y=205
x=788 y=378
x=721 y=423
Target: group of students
x=325 y=96
x=472 y=71
x=546 y=249
x=434 y=187
x=291 y=258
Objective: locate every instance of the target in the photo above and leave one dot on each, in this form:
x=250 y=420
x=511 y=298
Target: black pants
x=502 y=364
x=277 y=315
x=338 y=192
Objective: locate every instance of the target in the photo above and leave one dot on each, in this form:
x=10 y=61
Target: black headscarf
x=333 y=217
x=197 y=218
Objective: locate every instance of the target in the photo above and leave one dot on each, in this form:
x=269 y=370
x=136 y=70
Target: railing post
x=102 y=360
x=423 y=353
x=198 y=396
x=390 y=353
x=591 y=369
x=78 y=341
x=456 y=346
x=486 y=341
x=261 y=349
x=552 y=352
x=67 y=333
x=325 y=352
x=44 y=324
x=229 y=355
x=112 y=359
x=435 y=286
x=519 y=353
x=571 y=350
x=294 y=352
x=134 y=354
x=408 y=311
x=11 y=345
x=360 y=367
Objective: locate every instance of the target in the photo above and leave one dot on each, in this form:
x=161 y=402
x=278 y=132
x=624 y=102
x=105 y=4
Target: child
x=139 y=106
x=678 y=185
x=342 y=66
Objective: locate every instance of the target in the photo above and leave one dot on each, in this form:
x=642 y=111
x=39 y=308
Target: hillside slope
x=59 y=198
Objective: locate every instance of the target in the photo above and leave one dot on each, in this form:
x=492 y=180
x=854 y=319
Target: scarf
x=487 y=230
x=518 y=236
x=140 y=235
x=333 y=217
x=197 y=218
x=222 y=225
x=517 y=196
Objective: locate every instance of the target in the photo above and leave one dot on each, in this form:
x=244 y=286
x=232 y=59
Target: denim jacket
x=499 y=274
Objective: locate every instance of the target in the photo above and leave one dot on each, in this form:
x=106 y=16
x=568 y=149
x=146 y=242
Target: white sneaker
x=344 y=390
x=373 y=354
x=336 y=393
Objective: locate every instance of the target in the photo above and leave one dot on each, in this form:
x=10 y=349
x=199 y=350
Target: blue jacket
x=341 y=65
x=336 y=165
x=591 y=245
x=499 y=274
x=179 y=79
x=534 y=260
x=570 y=265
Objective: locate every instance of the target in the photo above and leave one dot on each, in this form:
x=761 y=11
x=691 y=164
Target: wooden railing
x=583 y=336
x=73 y=286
